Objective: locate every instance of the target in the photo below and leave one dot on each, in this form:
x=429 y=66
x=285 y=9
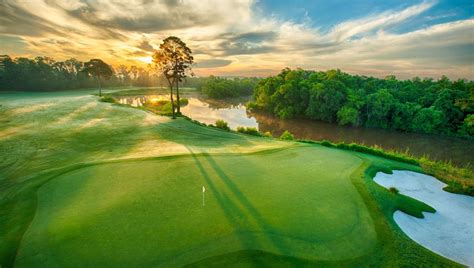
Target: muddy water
x=459 y=151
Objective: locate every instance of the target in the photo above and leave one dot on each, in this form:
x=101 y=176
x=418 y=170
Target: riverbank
x=437 y=148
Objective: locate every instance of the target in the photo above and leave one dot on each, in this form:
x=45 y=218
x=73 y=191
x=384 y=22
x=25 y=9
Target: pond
x=206 y=110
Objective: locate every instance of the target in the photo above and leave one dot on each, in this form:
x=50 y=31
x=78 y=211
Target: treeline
x=220 y=88
x=46 y=74
x=417 y=105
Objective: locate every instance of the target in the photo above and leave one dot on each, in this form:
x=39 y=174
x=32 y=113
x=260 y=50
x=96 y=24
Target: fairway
x=87 y=183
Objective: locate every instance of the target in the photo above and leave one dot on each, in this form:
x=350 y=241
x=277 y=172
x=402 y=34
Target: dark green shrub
x=107 y=99
x=393 y=190
x=222 y=124
x=287 y=136
x=249 y=130
x=373 y=151
x=251 y=106
x=182 y=102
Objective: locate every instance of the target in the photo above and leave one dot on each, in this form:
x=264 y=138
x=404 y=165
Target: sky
x=426 y=38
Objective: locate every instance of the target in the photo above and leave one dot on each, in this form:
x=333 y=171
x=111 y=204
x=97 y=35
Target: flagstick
x=203 y=191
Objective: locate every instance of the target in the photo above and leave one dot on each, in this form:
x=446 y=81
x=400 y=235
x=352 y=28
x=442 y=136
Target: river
x=458 y=150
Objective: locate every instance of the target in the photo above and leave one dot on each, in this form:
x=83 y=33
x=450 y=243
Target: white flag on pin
x=203 y=189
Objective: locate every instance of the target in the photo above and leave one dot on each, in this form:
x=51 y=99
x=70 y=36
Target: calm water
x=459 y=151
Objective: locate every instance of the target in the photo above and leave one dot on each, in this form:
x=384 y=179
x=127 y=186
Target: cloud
x=234 y=37
x=251 y=37
x=145 y=45
x=17 y=21
x=365 y=25
x=212 y=63
x=153 y=16
x=439 y=49
x=256 y=42
x=12 y=44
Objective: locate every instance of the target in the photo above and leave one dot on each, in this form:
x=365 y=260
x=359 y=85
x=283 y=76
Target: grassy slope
x=262 y=212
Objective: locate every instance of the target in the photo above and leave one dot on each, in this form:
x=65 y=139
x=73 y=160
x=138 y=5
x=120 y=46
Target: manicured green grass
x=290 y=202
x=88 y=183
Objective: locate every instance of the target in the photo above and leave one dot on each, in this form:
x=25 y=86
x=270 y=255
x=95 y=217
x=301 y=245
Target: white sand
x=448 y=232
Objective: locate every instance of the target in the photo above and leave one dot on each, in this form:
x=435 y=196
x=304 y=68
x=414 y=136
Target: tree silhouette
x=98 y=69
x=174 y=61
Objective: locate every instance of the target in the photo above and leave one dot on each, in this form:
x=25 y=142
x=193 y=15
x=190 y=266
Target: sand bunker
x=448 y=232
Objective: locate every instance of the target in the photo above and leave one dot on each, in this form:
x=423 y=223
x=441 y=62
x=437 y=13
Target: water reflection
x=234 y=114
x=137 y=101
x=233 y=111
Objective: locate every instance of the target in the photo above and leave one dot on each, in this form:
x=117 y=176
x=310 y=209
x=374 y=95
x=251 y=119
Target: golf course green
x=85 y=183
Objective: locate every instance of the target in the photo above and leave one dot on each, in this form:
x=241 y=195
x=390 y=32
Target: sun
x=147 y=59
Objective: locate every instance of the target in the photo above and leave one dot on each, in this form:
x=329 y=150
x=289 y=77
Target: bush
x=107 y=99
x=222 y=124
x=377 y=151
x=393 y=190
x=182 y=102
x=268 y=134
x=287 y=136
x=251 y=106
x=249 y=130
x=161 y=107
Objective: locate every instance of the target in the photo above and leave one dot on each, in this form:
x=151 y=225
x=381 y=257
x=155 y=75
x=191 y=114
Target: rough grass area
x=459 y=180
x=89 y=183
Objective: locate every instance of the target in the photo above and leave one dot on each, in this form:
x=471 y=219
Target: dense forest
x=220 y=88
x=417 y=105
x=46 y=74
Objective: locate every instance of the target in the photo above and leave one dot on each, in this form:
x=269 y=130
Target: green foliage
x=222 y=124
x=182 y=102
x=98 y=69
x=459 y=180
x=415 y=105
x=268 y=134
x=428 y=120
x=348 y=116
x=161 y=107
x=402 y=116
x=286 y=135
x=326 y=99
x=468 y=126
x=108 y=99
x=46 y=74
x=379 y=106
x=249 y=130
x=393 y=190
x=220 y=88
x=376 y=151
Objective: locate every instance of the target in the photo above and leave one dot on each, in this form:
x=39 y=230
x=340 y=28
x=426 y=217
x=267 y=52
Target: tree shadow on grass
x=247 y=204
x=230 y=209
x=190 y=134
